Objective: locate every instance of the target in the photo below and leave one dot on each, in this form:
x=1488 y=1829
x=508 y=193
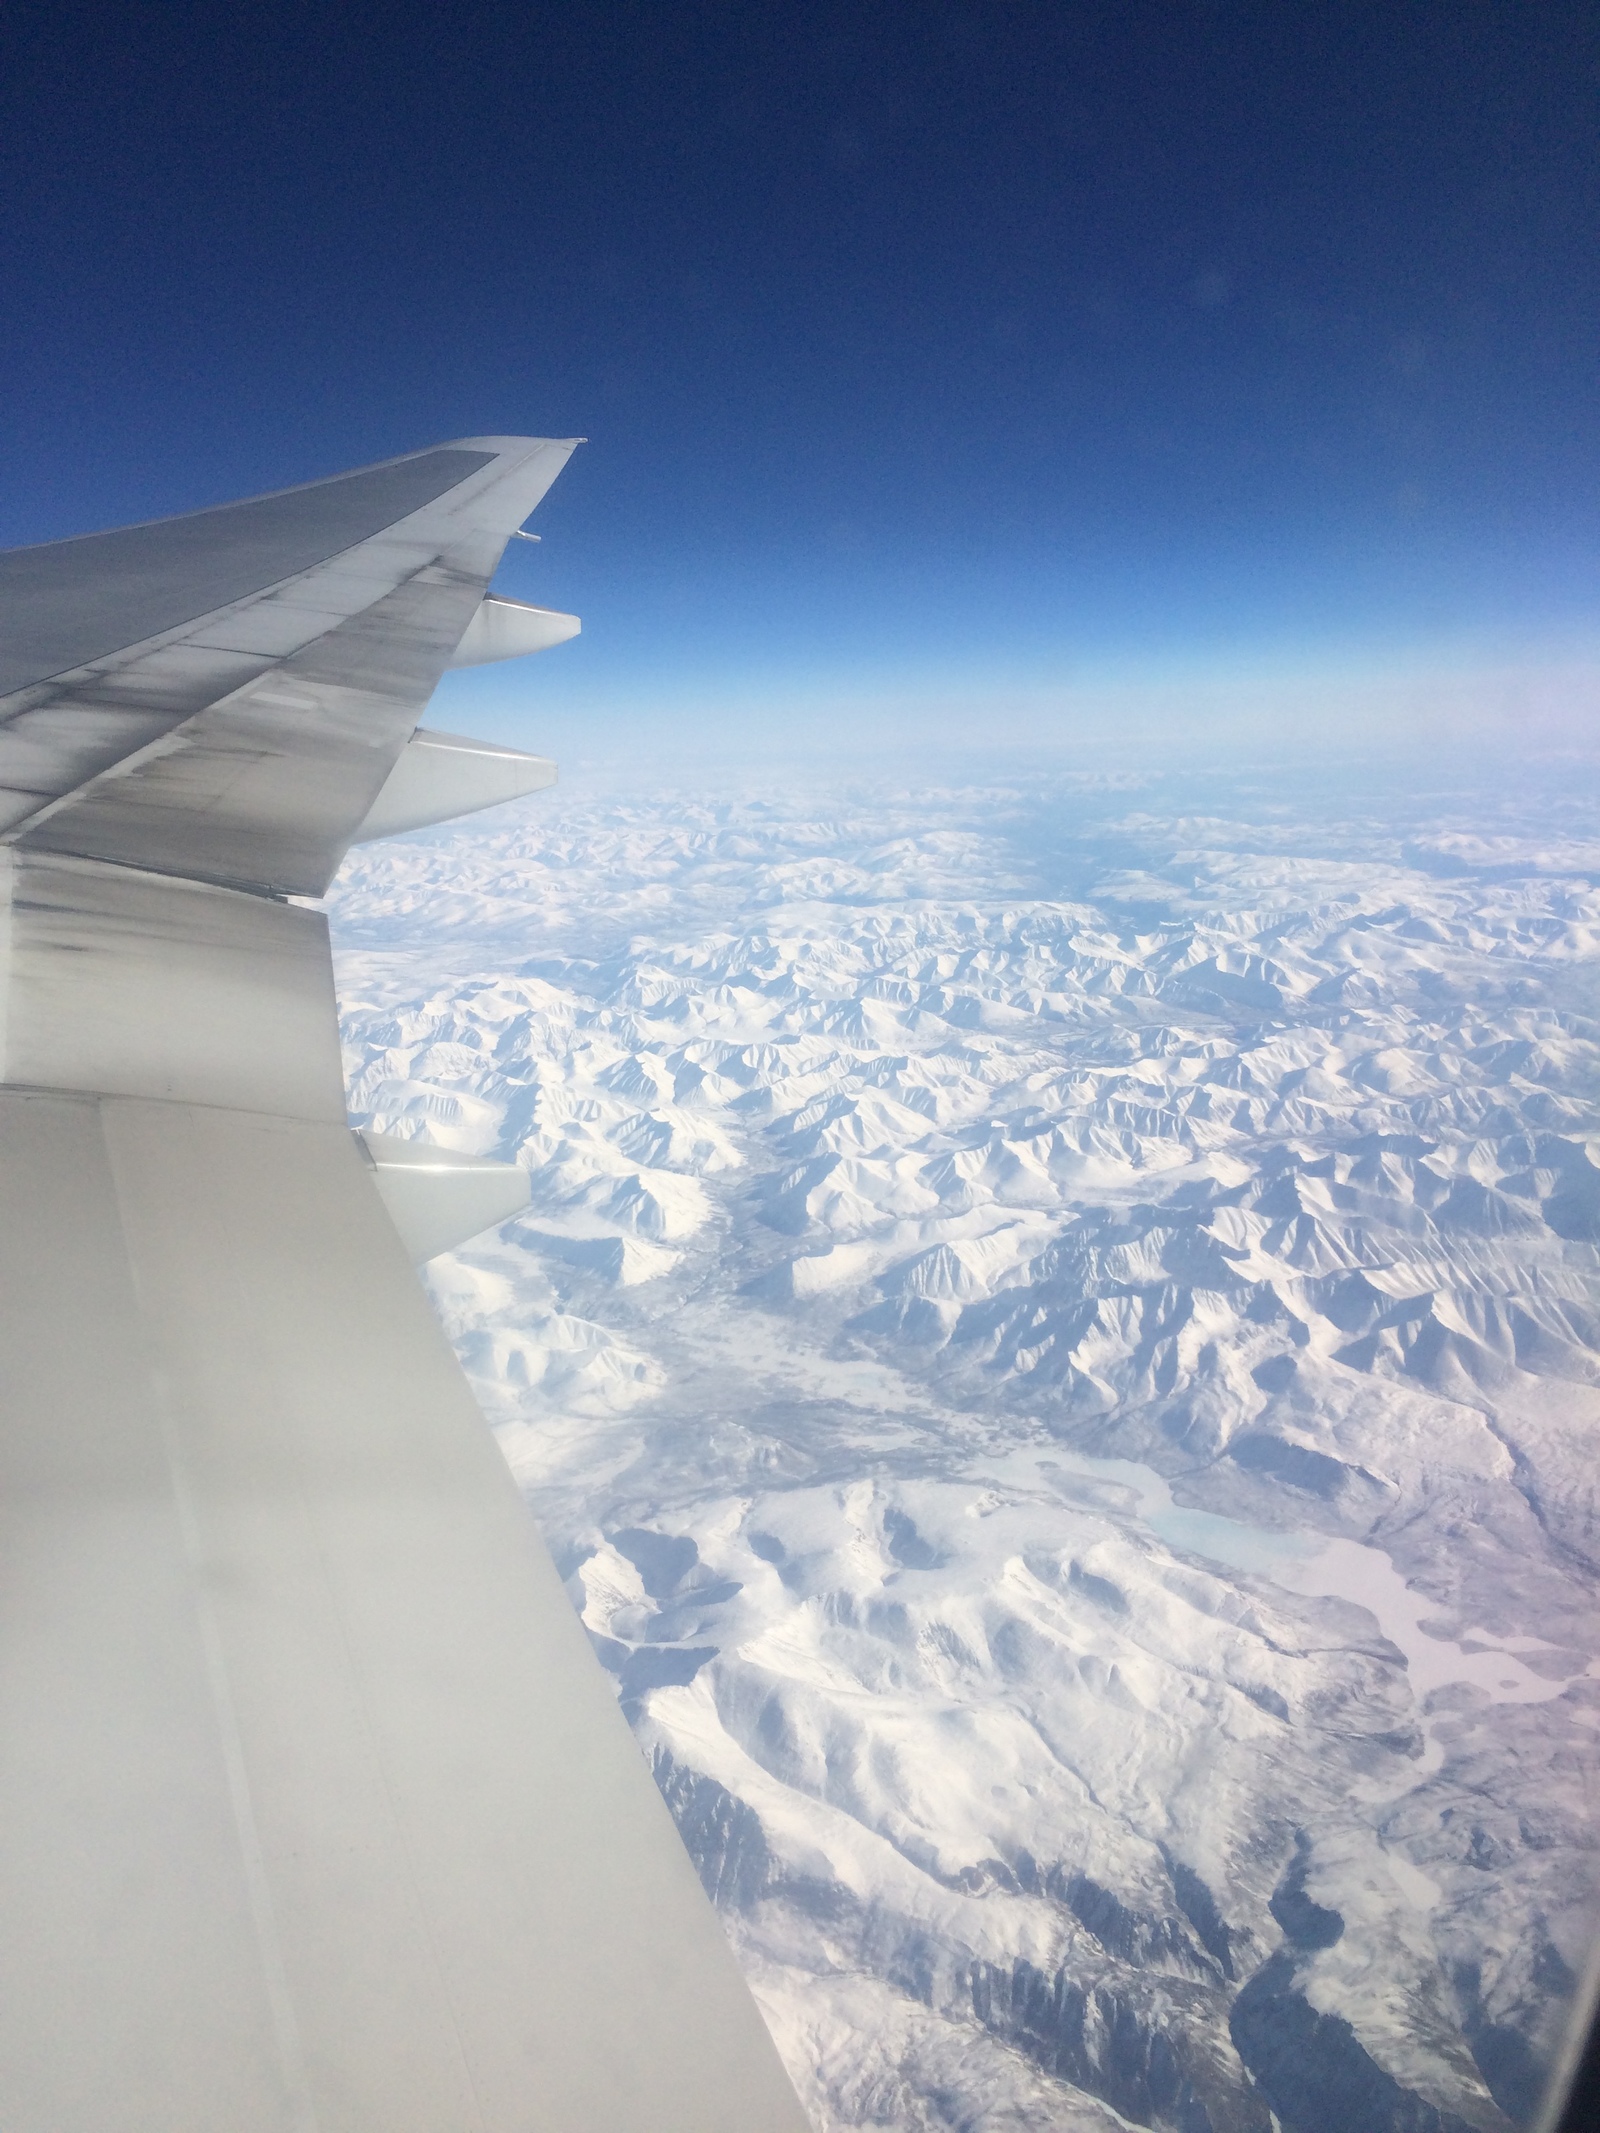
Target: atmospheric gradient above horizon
x=970 y=362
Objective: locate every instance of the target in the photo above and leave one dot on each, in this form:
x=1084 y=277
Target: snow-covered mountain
x=1058 y=1345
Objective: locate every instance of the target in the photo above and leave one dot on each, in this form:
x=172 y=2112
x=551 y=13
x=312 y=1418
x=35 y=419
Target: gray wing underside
x=315 y=1809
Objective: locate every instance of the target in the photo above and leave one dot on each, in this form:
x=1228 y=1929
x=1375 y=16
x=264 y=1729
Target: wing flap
x=356 y=1717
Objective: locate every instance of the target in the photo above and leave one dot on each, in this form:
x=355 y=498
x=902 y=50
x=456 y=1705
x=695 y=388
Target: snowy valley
x=1057 y=1346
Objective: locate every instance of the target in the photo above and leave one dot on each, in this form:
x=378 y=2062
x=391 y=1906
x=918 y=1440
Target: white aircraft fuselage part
x=317 y=1814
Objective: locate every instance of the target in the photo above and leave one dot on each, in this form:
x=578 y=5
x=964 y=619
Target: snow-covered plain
x=1058 y=1347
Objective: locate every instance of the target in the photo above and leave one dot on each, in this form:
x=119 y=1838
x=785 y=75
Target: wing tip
x=510 y=447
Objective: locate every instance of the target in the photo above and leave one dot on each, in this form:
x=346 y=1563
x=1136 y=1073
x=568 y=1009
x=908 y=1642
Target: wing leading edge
x=315 y=1810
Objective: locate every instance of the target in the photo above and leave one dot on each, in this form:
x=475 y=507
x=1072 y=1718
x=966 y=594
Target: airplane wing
x=316 y=1813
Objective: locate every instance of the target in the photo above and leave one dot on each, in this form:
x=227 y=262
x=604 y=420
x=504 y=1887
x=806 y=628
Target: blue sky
x=995 y=357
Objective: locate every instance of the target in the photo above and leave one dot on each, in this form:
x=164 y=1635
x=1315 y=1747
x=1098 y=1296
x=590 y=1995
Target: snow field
x=991 y=1252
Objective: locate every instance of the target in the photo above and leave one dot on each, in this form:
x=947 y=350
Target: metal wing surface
x=315 y=1810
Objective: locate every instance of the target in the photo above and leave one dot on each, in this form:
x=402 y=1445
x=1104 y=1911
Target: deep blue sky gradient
x=939 y=348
